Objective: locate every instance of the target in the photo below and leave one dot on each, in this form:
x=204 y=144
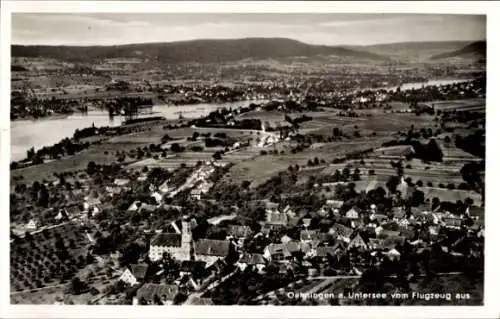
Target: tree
x=217 y=156
x=195 y=135
x=77 y=286
x=435 y=203
x=176 y=148
x=392 y=183
x=346 y=172
x=417 y=198
x=91 y=168
x=245 y=184
x=470 y=173
x=356 y=175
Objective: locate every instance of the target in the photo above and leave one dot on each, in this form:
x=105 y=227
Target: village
x=143 y=233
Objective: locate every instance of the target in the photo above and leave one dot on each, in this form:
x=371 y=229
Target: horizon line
x=243 y=38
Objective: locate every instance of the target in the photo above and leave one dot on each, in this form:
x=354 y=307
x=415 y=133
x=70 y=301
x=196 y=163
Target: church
x=178 y=244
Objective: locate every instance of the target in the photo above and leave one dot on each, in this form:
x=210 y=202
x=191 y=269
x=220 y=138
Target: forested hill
x=202 y=51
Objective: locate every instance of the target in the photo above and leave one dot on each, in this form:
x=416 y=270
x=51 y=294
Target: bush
x=371 y=172
x=451 y=186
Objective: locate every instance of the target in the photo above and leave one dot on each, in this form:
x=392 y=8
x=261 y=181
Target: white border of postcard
x=491 y=308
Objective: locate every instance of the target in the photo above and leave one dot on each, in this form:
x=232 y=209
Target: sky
x=326 y=29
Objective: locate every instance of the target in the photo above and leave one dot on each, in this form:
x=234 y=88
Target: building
x=32 y=225
x=155 y=294
x=255 y=260
x=281 y=252
x=358 y=242
x=352 y=213
x=211 y=250
x=177 y=245
x=191 y=268
x=393 y=254
x=276 y=219
x=452 y=221
x=196 y=194
x=309 y=235
x=134 y=274
x=240 y=233
x=199 y=301
x=341 y=232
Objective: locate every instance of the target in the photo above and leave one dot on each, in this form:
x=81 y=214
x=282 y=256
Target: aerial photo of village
x=309 y=159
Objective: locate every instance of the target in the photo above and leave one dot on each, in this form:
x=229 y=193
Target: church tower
x=187 y=238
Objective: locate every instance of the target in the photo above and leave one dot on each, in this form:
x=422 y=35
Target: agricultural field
x=50 y=257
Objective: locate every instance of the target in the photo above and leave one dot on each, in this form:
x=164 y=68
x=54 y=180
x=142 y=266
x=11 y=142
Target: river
x=45 y=132
x=25 y=134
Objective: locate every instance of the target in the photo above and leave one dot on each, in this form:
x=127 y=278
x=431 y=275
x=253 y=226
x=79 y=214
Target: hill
x=414 y=51
x=475 y=50
x=201 y=51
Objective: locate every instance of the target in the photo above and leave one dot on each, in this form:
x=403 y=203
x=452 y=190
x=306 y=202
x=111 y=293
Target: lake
x=25 y=134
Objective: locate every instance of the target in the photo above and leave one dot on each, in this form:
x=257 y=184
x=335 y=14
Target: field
x=105 y=153
x=50 y=258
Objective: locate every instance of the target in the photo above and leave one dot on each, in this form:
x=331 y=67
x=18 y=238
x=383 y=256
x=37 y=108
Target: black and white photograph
x=246 y=158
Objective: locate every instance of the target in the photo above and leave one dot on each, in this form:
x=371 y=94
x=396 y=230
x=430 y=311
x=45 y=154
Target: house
x=159 y=294
x=384 y=233
x=196 y=194
x=113 y=190
x=177 y=245
x=398 y=213
x=334 y=204
x=341 y=232
x=164 y=188
x=281 y=252
x=240 y=232
x=285 y=239
x=200 y=301
x=393 y=254
x=191 y=267
x=378 y=217
x=32 y=225
x=452 y=221
x=134 y=206
x=255 y=260
x=352 y=213
x=210 y=250
x=325 y=251
x=157 y=197
x=358 y=242
x=134 y=274
x=309 y=235
x=62 y=215
x=276 y=219
x=403 y=222
x=121 y=181
x=375 y=244
x=308 y=248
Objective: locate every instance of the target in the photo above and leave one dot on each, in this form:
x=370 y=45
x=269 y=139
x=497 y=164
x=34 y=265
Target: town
x=227 y=209
x=253 y=171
